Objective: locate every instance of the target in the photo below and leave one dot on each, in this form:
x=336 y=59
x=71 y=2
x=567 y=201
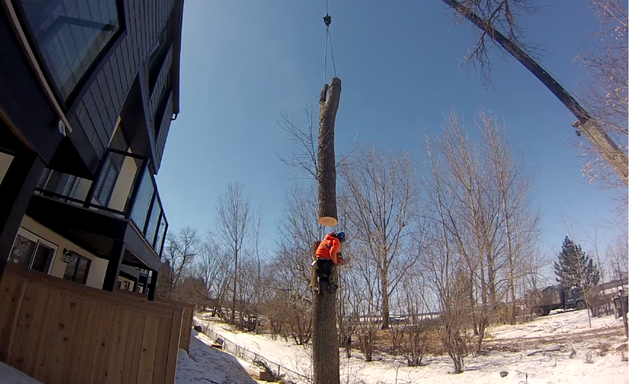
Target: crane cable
x=327 y=21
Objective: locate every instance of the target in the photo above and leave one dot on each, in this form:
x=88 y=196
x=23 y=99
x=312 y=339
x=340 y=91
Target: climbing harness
x=327 y=21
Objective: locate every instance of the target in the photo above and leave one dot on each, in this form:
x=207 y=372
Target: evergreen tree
x=574 y=268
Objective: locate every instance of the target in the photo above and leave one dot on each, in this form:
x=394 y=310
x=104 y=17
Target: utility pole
x=325 y=339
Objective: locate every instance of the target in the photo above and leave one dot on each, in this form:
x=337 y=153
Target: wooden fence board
x=132 y=353
x=187 y=320
x=61 y=332
x=173 y=344
x=111 y=298
x=89 y=343
x=10 y=302
x=79 y=326
x=46 y=352
x=26 y=320
x=161 y=353
x=117 y=346
x=102 y=346
x=34 y=316
x=65 y=328
x=149 y=346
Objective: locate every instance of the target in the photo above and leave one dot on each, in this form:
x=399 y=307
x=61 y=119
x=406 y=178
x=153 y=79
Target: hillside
x=542 y=349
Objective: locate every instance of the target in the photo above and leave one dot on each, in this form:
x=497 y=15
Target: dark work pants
x=324 y=269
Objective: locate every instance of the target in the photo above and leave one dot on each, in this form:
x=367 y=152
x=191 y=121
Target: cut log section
x=326 y=172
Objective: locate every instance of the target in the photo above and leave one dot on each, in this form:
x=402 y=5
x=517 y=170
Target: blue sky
x=243 y=63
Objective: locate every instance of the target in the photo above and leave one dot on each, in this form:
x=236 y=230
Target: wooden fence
x=60 y=332
x=187 y=318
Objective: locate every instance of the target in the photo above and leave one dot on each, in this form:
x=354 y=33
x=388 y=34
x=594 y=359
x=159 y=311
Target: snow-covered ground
x=10 y=375
x=205 y=364
x=542 y=349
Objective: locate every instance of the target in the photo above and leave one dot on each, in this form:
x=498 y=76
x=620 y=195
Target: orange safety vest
x=329 y=247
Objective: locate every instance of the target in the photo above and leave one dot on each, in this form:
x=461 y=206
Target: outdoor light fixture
x=68 y=255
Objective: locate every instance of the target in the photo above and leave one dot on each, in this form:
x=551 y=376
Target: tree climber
x=328 y=255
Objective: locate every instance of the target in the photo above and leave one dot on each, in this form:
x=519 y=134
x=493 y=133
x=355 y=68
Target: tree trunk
x=599 y=138
x=234 y=287
x=326 y=173
x=325 y=339
x=492 y=289
x=385 y=300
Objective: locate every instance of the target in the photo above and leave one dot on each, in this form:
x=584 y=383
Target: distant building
x=88 y=90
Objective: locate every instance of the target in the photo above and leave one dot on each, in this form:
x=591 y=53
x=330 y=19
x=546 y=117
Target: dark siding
x=101 y=105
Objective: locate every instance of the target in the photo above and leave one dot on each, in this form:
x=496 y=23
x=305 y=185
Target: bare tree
x=364 y=298
x=491 y=16
x=379 y=203
x=258 y=253
x=618 y=257
x=213 y=268
x=483 y=230
x=474 y=218
x=414 y=338
x=500 y=15
x=233 y=224
x=442 y=261
x=290 y=273
x=302 y=160
x=347 y=315
x=519 y=221
x=179 y=253
x=605 y=92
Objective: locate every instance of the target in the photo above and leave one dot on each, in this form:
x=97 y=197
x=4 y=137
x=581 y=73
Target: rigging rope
x=327 y=21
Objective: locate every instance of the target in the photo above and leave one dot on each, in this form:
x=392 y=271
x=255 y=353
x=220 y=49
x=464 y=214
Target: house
x=88 y=90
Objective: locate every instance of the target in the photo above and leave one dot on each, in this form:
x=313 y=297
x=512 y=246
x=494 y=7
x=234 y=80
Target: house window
x=160 y=236
x=29 y=251
x=60 y=183
x=161 y=109
x=144 y=198
x=125 y=284
x=77 y=268
x=152 y=225
x=106 y=181
x=156 y=59
x=71 y=35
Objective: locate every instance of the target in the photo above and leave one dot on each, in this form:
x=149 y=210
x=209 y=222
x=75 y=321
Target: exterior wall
x=98 y=266
x=5 y=162
x=97 y=112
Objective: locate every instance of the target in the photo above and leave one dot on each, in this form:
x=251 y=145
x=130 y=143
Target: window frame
x=37 y=240
x=157 y=56
x=74 y=274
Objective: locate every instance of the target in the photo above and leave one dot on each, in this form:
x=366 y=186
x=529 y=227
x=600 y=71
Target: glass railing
x=147 y=213
x=124 y=188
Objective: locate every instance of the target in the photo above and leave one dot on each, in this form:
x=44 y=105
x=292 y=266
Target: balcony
x=122 y=204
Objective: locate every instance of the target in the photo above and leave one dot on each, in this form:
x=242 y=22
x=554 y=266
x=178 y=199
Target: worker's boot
x=332 y=287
